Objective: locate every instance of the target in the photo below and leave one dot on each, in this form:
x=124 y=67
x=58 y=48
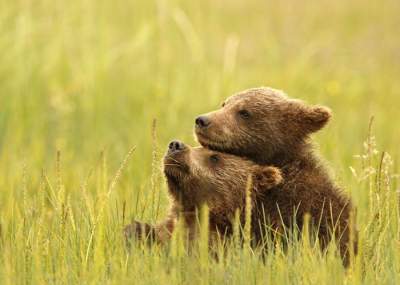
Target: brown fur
x=264 y=125
x=198 y=176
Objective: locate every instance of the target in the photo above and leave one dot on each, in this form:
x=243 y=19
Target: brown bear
x=269 y=128
x=198 y=176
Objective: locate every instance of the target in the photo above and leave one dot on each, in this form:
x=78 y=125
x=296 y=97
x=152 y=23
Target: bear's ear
x=266 y=177
x=315 y=118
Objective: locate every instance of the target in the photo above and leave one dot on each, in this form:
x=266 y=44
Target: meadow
x=91 y=92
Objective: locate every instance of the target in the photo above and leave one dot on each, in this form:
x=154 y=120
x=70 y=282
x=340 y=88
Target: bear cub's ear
x=266 y=177
x=317 y=117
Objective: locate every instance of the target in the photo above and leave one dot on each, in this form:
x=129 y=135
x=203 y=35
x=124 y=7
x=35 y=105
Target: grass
x=84 y=82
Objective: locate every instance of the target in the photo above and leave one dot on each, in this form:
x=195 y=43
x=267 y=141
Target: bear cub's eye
x=223 y=104
x=214 y=158
x=244 y=114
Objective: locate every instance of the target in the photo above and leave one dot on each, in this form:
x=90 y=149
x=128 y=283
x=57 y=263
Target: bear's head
x=259 y=124
x=197 y=176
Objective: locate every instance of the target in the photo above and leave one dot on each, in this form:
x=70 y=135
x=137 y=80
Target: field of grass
x=82 y=82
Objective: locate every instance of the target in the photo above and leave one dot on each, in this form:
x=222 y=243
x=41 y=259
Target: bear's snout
x=202 y=121
x=175 y=145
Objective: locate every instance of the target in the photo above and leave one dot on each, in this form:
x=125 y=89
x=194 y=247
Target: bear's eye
x=223 y=104
x=214 y=158
x=244 y=114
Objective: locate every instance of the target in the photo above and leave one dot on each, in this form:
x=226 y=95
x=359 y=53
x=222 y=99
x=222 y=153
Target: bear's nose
x=202 y=121
x=175 y=145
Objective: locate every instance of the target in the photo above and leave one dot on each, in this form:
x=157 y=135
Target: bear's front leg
x=159 y=233
x=139 y=231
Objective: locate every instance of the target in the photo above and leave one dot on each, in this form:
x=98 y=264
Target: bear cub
x=269 y=128
x=198 y=176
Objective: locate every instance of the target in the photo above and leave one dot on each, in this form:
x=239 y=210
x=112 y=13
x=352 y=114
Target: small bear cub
x=198 y=176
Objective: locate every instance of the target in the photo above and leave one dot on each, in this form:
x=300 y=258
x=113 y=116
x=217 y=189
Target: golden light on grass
x=81 y=81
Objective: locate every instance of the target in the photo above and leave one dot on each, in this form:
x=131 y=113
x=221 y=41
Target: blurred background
x=89 y=77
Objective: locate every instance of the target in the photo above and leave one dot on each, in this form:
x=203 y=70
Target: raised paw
x=138 y=231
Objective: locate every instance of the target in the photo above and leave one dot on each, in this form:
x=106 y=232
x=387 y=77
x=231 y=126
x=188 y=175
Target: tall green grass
x=92 y=91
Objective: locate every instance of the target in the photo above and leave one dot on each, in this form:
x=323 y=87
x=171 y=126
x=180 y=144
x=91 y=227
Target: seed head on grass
x=105 y=200
x=247 y=225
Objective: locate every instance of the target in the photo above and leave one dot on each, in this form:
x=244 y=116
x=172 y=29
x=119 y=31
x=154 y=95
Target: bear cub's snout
x=175 y=145
x=202 y=122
